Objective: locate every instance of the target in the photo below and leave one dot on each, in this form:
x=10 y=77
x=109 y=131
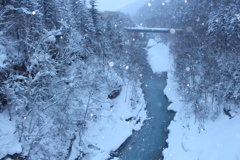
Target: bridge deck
x=156 y=30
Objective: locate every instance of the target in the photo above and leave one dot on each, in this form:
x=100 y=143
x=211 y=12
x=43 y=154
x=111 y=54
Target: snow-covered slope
x=219 y=140
x=115 y=125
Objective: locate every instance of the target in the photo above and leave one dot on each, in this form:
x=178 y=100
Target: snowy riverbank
x=103 y=135
x=116 y=124
x=219 y=140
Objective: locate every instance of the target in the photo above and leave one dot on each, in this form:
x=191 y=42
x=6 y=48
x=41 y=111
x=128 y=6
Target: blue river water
x=149 y=142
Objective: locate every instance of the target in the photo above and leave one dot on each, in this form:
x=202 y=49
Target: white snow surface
x=8 y=140
x=105 y=131
x=158 y=56
x=219 y=140
x=112 y=129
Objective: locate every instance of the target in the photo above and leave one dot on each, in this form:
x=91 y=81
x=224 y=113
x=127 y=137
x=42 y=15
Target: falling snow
x=189 y=29
x=172 y=31
x=79 y=56
x=111 y=64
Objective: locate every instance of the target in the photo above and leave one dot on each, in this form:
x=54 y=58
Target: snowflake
x=172 y=30
x=189 y=29
x=111 y=64
x=209 y=99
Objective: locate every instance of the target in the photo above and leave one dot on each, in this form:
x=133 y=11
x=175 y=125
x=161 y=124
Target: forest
x=206 y=53
x=59 y=61
x=62 y=60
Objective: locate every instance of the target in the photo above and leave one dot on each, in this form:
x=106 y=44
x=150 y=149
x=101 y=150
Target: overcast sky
x=113 y=5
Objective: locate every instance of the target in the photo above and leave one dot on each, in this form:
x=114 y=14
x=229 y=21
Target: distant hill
x=134 y=7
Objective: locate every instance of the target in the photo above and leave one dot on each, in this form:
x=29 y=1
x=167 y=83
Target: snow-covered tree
x=206 y=52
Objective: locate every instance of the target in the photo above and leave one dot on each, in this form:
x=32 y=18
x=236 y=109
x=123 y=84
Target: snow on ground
x=219 y=140
x=112 y=129
x=8 y=140
x=158 y=56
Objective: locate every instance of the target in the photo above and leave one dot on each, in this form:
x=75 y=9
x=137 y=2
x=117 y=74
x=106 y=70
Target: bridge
x=153 y=30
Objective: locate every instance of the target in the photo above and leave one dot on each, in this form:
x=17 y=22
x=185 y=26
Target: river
x=149 y=142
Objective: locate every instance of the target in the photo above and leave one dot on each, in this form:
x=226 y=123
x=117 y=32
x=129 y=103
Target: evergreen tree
x=96 y=18
x=49 y=10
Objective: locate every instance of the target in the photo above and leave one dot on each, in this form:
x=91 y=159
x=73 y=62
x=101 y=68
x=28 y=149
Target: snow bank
x=112 y=129
x=117 y=121
x=8 y=140
x=158 y=56
x=219 y=140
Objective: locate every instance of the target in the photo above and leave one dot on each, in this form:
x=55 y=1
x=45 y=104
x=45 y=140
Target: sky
x=113 y=5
